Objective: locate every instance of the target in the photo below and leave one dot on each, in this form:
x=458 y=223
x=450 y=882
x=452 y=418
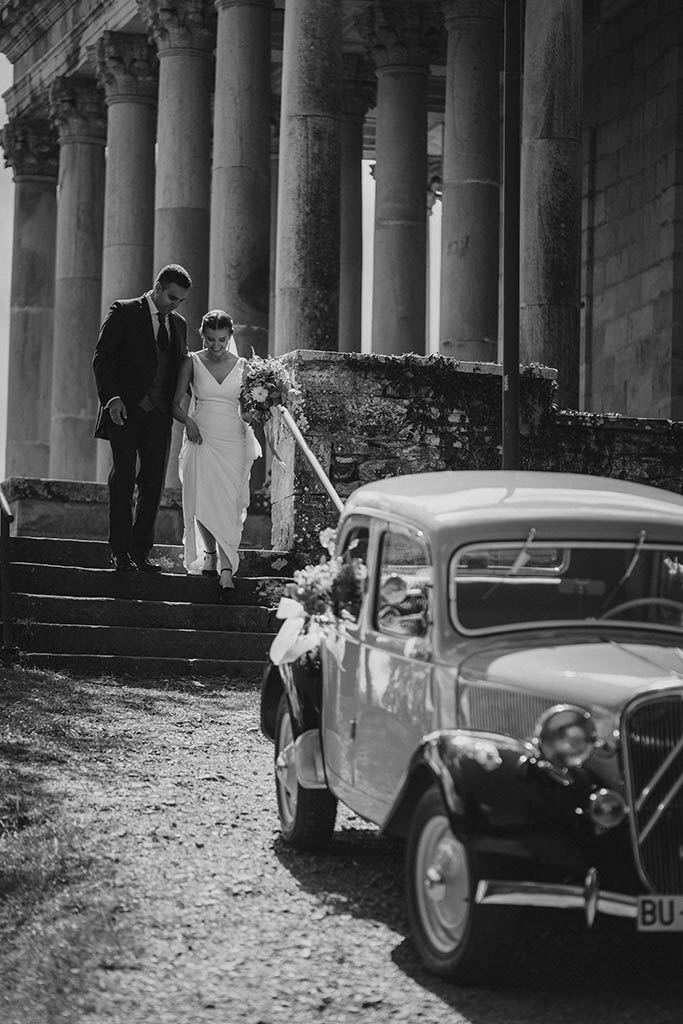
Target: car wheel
x=307 y=816
x=452 y=933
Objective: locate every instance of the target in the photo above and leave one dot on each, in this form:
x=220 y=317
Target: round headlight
x=607 y=808
x=566 y=735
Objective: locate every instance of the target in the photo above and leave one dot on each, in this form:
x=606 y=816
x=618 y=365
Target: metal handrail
x=6 y=518
x=315 y=465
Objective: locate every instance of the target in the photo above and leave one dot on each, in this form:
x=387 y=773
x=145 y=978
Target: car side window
x=352 y=582
x=403 y=596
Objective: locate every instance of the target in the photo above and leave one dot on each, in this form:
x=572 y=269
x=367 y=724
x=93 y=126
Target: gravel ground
x=178 y=903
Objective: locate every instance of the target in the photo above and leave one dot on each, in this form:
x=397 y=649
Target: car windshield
x=513 y=584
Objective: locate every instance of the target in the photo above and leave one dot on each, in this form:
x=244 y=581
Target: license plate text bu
x=660 y=913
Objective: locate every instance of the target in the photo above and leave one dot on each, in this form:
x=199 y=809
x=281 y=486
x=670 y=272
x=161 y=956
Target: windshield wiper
x=519 y=563
x=642 y=537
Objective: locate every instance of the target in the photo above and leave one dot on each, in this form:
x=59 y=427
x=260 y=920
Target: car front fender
x=491 y=785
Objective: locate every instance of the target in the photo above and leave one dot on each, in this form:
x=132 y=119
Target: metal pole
x=317 y=468
x=6 y=518
x=511 y=185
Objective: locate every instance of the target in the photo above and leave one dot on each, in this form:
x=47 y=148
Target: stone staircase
x=72 y=612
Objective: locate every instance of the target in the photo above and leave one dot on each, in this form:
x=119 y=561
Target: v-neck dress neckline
x=220 y=383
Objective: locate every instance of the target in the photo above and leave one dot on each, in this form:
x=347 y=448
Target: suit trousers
x=139 y=457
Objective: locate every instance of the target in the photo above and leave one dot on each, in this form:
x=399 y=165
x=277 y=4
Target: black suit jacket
x=125 y=360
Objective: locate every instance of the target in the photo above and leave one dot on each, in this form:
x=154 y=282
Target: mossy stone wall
x=372 y=416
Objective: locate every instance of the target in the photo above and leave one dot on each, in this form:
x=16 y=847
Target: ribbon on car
x=293 y=640
x=299 y=634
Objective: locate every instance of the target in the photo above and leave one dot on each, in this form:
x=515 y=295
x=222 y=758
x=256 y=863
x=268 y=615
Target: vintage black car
x=507 y=697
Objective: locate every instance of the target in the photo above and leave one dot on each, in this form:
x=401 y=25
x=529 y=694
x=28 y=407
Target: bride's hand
x=193 y=433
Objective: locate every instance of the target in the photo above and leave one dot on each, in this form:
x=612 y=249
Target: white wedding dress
x=215 y=474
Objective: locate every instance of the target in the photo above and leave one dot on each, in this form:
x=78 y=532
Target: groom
x=138 y=354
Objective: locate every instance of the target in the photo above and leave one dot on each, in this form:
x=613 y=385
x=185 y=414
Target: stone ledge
x=71 y=509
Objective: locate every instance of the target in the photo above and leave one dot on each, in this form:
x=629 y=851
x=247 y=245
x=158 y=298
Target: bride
x=217 y=452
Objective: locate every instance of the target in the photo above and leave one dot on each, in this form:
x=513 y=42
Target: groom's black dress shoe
x=143 y=563
x=122 y=563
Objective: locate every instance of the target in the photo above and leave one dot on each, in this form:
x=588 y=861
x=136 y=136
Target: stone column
x=401 y=36
x=127 y=70
x=274 y=178
x=550 y=214
x=358 y=96
x=78 y=110
x=240 y=189
x=307 y=271
x=471 y=181
x=30 y=146
x=184 y=34
x=183 y=31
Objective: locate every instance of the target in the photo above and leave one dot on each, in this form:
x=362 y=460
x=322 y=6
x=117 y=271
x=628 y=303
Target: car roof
x=439 y=500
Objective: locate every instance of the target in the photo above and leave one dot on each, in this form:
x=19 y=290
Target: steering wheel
x=638 y=601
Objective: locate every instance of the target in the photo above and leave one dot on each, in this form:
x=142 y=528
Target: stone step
x=109 y=611
x=30 y=578
x=93 y=554
x=133 y=641
x=194 y=672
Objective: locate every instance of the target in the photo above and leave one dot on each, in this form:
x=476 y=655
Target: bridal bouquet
x=265 y=383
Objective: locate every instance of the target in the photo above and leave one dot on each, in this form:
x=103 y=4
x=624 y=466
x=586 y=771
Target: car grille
x=653 y=747
x=494 y=709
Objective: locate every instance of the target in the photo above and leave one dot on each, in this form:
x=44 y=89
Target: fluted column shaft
x=550 y=205
x=77 y=107
x=183 y=31
x=358 y=95
x=307 y=270
x=400 y=45
x=471 y=181
x=30 y=146
x=127 y=70
x=240 y=190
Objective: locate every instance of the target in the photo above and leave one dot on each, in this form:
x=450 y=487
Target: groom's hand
x=117 y=412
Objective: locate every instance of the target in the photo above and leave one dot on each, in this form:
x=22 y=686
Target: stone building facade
x=228 y=135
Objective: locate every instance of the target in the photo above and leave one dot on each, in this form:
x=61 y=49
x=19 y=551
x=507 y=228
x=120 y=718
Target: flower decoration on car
x=319 y=597
x=265 y=383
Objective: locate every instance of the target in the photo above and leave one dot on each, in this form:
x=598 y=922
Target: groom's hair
x=173 y=273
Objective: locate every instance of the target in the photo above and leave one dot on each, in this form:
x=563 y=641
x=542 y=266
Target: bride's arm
x=179 y=403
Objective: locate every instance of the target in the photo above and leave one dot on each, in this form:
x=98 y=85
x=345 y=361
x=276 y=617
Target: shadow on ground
x=610 y=975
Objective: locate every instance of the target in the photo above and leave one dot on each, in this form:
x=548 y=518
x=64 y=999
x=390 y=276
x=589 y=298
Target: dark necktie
x=162 y=335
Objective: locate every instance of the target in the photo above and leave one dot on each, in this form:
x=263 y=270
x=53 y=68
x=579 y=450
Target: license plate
x=660 y=913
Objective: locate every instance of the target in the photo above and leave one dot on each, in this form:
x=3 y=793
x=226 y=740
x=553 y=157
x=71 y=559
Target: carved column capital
x=471 y=10
x=402 y=33
x=31 y=149
x=126 y=67
x=78 y=110
x=359 y=86
x=180 y=24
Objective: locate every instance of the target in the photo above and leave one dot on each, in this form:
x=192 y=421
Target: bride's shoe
x=227 y=585
x=209 y=566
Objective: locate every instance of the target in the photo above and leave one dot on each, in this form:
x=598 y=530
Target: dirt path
x=148 y=885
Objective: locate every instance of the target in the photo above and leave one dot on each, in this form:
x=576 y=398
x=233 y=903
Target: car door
x=341 y=668
x=394 y=697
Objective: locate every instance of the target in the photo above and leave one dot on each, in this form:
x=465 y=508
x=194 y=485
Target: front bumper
x=589 y=897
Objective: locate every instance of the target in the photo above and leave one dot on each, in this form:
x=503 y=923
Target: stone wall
x=631 y=219
x=368 y=416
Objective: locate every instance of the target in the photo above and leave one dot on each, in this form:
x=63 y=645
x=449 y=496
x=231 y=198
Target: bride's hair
x=215 y=319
